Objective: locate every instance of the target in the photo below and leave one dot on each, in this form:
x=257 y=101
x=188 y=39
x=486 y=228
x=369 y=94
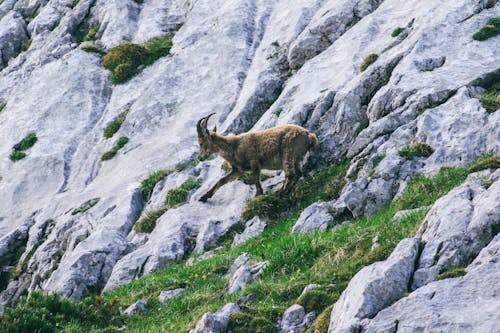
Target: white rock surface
x=168 y=294
x=257 y=64
x=316 y=217
x=216 y=322
x=245 y=275
x=463 y=304
x=375 y=287
x=253 y=228
x=296 y=320
x=137 y=307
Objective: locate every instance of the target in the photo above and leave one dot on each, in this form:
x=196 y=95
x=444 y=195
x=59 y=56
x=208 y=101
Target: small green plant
x=148 y=184
x=85 y=206
x=93 y=49
x=2 y=106
x=119 y=145
x=75 y=3
x=491 y=3
x=322 y=322
x=419 y=149
x=139 y=1
x=315 y=300
x=452 y=273
x=267 y=206
x=114 y=125
x=277 y=112
x=396 y=32
x=370 y=59
x=25 y=144
x=487 y=161
x=26 y=45
x=186 y=164
x=491 y=98
x=241 y=322
x=178 y=196
x=491 y=29
x=46 y=313
x=148 y=222
x=83 y=35
x=17 y=155
x=124 y=60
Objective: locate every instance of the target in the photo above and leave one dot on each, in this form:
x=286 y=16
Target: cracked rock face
x=216 y=322
x=256 y=64
x=245 y=275
x=458 y=231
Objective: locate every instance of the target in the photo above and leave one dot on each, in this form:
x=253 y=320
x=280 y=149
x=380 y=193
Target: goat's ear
x=215 y=129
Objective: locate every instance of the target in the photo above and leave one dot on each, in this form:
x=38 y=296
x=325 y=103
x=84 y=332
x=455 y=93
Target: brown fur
x=282 y=147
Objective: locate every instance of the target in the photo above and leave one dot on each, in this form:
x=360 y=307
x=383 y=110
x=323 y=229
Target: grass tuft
x=148 y=223
x=396 y=32
x=484 y=162
x=93 y=49
x=2 y=106
x=491 y=29
x=315 y=300
x=370 y=59
x=124 y=61
x=114 y=125
x=491 y=98
x=25 y=144
x=322 y=322
x=419 y=149
x=148 y=184
x=452 y=273
x=119 y=145
x=247 y=323
x=178 y=196
x=17 y=155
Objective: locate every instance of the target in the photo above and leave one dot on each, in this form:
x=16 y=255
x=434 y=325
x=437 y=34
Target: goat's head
x=206 y=146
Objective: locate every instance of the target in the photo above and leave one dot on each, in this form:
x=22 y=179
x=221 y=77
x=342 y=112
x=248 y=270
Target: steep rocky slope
x=67 y=217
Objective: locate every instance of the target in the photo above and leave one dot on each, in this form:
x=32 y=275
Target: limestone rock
x=216 y=322
x=375 y=287
x=245 y=275
x=316 y=217
x=137 y=307
x=253 y=228
x=168 y=294
x=462 y=304
x=295 y=320
x=13 y=37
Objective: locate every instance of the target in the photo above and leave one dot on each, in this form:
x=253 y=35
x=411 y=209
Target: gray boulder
x=168 y=294
x=137 y=307
x=316 y=217
x=13 y=37
x=253 y=228
x=245 y=275
x=296 y=320
x=375 y=287
x=216 y=322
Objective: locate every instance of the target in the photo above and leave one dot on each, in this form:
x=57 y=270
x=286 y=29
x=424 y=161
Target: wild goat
x=282 y=147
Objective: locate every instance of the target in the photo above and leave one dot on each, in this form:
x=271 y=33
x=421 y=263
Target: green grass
x=396 y=32
x=148 y=223
x=75 y=3
x=93 y=49
x=178 y=196
x=87 y=35
x=148 y=184
x=114 y=125
x=491 y=98
x=491 y=3
x=125 y=60
x=17 y=155
x=370 y=59
x=25 y=144
x=2 y=106
x=491 y=29
x=419 y=149
x=328 y=258
x=452 y=273
x=85 y=206
x=175 y=198
x=487 y=161
x=119 y=145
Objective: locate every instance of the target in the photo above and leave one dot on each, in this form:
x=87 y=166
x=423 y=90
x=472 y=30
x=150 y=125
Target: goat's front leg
x=235 y=173
x=255 y=166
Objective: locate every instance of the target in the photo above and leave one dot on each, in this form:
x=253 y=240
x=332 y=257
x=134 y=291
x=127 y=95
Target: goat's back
x=271 y=145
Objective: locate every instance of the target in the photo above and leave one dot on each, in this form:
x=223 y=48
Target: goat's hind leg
x=256 y=177
x=292 y=175
x=235 y=173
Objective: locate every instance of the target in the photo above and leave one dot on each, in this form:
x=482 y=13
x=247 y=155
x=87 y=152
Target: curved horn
x=199 y=126
x=205 y=122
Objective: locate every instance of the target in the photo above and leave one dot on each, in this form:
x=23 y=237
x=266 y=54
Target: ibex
x=282 y=147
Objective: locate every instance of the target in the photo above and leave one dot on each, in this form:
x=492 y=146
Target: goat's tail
x=313 y=140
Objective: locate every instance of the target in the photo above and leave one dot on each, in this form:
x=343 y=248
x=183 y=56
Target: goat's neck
x=222 y=145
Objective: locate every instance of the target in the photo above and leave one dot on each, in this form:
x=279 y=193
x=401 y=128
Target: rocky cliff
x=394 y=88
